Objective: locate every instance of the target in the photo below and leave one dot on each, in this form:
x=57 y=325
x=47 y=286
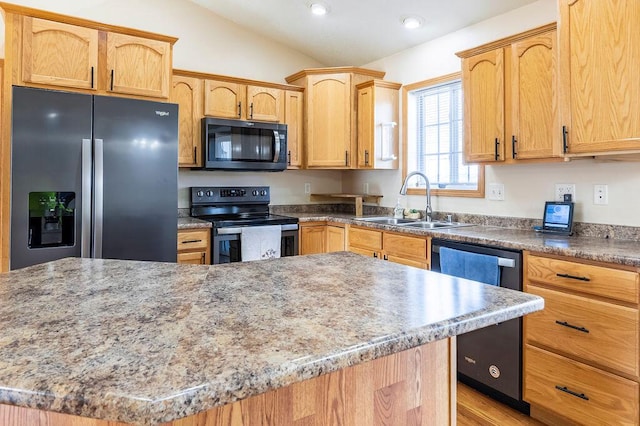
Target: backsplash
x=595 y=230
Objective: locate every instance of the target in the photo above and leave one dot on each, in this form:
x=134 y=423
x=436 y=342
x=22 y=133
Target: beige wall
x=526 y=186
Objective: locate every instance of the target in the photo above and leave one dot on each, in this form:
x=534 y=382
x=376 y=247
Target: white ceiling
x=355 y=32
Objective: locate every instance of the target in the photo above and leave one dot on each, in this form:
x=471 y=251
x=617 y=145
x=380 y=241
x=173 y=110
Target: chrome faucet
x=403 y=191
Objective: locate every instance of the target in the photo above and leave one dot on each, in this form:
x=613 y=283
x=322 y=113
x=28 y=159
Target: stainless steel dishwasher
x=490 y=359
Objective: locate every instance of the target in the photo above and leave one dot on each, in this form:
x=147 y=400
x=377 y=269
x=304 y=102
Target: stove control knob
x=209 y=193
x=263 y=192
x=254 y=192
x=200 y=193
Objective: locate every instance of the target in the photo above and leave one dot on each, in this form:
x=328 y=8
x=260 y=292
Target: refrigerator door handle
x=98 y=198
x=85 y=236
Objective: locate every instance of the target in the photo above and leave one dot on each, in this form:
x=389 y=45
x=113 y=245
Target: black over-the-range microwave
x=243 y=145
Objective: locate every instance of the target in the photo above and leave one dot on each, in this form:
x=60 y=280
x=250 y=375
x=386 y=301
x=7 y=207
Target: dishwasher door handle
x=502 y=261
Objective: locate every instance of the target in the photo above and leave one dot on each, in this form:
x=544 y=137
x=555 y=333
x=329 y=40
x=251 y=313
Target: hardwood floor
x=477 y=409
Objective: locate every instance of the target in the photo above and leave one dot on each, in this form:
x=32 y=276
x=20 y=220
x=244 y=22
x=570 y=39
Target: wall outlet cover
x=565 y=188
x=496 y=192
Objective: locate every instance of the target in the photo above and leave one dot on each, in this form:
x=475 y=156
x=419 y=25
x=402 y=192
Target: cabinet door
x=329 y=121
x=59 y=54
x=312 y=239
x=293 y=118
x=366 y=127
x=599 y=66
x=533 y=97
x=193 y=258
x=335 y=238
x=265 y=104
x=224 y=100
x=405 y=249
x=483 y=85
x=138 y=66
x=187 y=93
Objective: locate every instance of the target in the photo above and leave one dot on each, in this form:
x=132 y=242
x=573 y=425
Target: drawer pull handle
x=573 y=277
x=570 y=392
x=191 y=241
x=575 y=327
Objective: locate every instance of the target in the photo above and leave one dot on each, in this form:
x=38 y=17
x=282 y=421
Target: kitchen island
x=297 y=340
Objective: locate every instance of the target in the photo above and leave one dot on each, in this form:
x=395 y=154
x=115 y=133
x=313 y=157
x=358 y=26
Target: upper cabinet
x=599 y=63
x=483 y=88
x=227 y=99
x=330 y=120
x=294 y=119
x=138 y=66
x=58 y=54
x=533 y=123
x=377 y=109
x=55 y=51
x=509 y=88
x=187 y=93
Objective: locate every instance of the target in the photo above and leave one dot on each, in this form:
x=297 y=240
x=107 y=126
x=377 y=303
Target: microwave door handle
x=276 y=154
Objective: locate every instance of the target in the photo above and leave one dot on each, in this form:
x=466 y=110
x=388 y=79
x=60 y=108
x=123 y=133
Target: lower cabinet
x=581 y=353
x=321 y=237
x=194 y=246
x=395 y=247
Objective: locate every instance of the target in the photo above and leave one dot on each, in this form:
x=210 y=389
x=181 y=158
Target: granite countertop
x=147 y=342
x=193 y=223
x=623 y=252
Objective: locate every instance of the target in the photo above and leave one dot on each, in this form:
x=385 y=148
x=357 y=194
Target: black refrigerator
x=92 y=176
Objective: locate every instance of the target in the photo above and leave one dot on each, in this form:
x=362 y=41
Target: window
x=433 y=132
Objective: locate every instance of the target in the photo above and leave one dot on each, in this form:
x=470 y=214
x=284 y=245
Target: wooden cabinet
x=138 y=66
x=533 y=123
x=294 y=119
x=194 y=246
x=398 y=248
x=599 y=47
x=582 y=354
x=321 y=237
x=510 y=111
x=227 y=99
x=377 y=128
x=57 y=51
x=58 y=54
x=187 y=93
x=330 y=107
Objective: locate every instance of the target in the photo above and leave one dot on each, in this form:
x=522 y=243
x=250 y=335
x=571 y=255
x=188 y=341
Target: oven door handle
x=502 y=261
x=238 y=230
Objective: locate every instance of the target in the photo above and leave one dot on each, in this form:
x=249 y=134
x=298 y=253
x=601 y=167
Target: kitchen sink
x=435 y=225
x=386 y=220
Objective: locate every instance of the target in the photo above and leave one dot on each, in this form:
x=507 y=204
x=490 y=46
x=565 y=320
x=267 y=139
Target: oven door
x=227 y=247
x=244 y=145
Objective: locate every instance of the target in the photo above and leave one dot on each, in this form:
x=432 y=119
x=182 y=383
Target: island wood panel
x=412 y=387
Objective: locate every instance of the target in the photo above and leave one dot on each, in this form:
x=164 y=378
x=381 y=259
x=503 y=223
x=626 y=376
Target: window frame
x=477 y=193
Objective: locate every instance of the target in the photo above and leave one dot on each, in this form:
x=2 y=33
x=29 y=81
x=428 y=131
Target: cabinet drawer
x=404 y=246
x=194 y=258
x=601 y=332
x=193 y=240
x=597 y=280
x=577 y=391
x=365 y=238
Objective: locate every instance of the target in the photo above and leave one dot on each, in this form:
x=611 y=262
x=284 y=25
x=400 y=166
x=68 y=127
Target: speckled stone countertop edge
x=193 y=223
x=621 y=252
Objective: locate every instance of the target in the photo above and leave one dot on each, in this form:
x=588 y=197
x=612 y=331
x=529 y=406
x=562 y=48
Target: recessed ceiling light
x=412 y=22
x=318 y=9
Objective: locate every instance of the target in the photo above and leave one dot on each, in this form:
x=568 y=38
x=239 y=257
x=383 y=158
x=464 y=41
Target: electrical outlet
x=365 y=187
x=307 y=188
x=601 y=194
x=565 y=188
x=496 y=192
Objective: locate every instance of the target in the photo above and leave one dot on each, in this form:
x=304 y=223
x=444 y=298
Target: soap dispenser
x=398 y=211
